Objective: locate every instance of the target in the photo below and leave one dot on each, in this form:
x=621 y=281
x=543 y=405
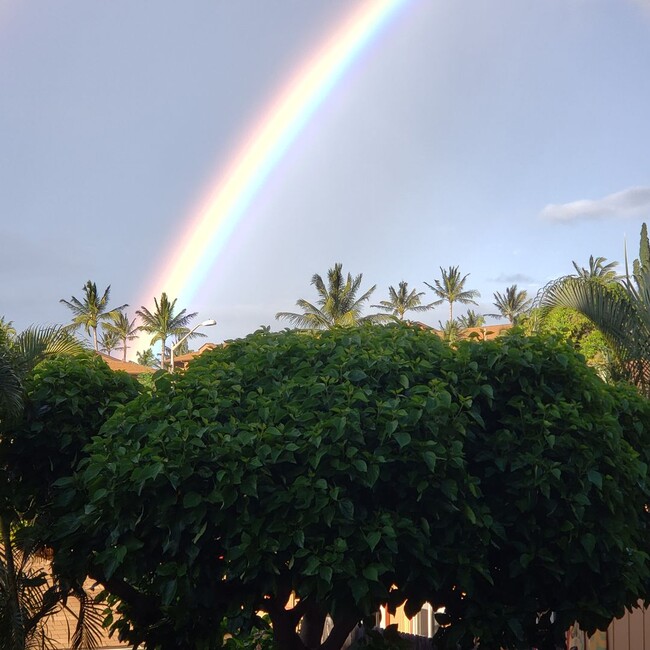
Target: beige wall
x=631 y=632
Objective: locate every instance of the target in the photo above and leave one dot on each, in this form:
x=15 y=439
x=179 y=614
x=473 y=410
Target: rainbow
x=216 y=219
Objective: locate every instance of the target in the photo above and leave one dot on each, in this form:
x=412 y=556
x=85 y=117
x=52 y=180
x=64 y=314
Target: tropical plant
x=22 y=627
x=450 y=331
x=402 y=300
x=337 y=304
x=7 y=329
x=68 y=398
x=511 y=304
x=451 y=288
x=123 y=329
x=471 y=319
x=21 y=608
x=163 y=322
x=91 y=310
x=19 y=353
x=108 y=340
x=147 y=358
x=620 y=310
x=598 y=270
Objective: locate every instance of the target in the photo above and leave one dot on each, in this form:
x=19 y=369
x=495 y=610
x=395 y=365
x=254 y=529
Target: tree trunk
x=18 y=631
x=311 y=627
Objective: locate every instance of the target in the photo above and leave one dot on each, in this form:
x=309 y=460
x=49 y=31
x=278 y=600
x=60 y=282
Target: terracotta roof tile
x=129 y=367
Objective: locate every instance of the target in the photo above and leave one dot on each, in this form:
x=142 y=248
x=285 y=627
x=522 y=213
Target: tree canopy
x=360 y=467
x=451 y=288
x=402 y=300
x=338 y=304
x=91 y=310
x=164 y=322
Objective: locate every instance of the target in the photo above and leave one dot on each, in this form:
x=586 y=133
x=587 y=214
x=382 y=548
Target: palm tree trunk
x=95 y=339
x=451 y=311
x=12 y=588
x=124 y=349
x=162 y=353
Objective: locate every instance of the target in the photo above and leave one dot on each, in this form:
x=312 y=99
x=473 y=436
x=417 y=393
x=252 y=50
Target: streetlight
x=205 y=323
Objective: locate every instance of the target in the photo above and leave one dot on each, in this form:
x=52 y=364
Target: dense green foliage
x=64 y=401
x=572 y=327
x=68 y=399
x=619 y=310
x=499 y=479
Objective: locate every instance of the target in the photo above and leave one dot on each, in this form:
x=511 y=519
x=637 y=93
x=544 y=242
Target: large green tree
x=402 y=300
x=91 y=310
x=338 y=304
x=620 y=310
x=451 y=288
x=362 y=466
x=164 y=322
x=512 y=304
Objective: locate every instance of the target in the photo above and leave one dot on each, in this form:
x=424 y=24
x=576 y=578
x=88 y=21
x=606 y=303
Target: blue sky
x=506 y=137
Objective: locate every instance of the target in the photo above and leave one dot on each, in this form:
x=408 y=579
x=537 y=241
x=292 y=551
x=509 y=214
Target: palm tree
x=163 y=322
x=92 y=310
x=597 y=269
x=451 y=288
x=338 y=304
x=450 y=331
x=620 y=310
x=19 y=353
x=147 y=358
x=511 y=304
x=401 y=300
x=124 y=330
x=108 y=340
x=471 y=319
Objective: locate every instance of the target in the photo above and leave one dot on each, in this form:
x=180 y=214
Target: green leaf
x=430 y=459
x=191 y=500
x=588 y=541
x=373 y=539
x=596 y=478
x=403 y=438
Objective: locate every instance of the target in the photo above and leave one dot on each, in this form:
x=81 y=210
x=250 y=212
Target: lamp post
x=205 y=323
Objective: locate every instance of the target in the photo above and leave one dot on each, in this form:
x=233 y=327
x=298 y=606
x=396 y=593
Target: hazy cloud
x=629 y=203
x=513 y=278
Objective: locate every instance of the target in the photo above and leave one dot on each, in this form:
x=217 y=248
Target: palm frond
x=337 y=303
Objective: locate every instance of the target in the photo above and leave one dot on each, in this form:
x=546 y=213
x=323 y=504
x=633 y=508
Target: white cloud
x=631 y=202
